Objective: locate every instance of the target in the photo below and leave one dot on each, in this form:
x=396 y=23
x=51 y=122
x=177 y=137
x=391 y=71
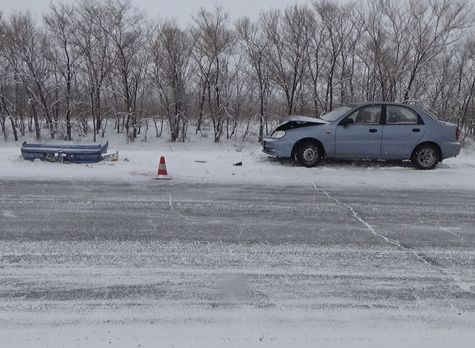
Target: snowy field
x=264 y=255
x=201 y=161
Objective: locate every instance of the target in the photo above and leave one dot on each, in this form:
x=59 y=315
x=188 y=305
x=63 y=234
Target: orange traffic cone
x=162 y=173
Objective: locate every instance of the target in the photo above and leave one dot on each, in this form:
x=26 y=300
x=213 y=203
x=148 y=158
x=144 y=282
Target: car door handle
x=416 y=130
x=373 y=130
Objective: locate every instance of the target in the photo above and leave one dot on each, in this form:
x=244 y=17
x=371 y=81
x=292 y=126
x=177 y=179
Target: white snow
x=202 y=161
x=307 y=314
x=248 y=334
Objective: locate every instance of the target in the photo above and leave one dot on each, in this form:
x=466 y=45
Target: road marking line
x=357 y=217
x=455 y=279
x=172 y=208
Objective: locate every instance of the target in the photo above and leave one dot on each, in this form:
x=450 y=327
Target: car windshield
x=336 y=113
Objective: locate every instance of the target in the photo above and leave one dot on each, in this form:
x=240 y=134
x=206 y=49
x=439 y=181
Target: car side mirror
x=346 y=122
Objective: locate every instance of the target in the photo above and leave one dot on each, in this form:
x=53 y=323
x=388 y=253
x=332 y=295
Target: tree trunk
x=13 y=123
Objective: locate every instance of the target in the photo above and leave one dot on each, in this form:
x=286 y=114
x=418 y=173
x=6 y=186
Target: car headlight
x=278 y=134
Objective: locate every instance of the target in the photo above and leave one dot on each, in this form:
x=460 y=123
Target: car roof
x=358 y=104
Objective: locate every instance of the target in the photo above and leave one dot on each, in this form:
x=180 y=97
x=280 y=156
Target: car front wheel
x=308 y=154
x=426 y=157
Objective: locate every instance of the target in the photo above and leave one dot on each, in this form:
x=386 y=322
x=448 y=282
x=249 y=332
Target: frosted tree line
x=89 y=68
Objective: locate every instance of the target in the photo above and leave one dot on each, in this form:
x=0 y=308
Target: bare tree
x=171 y=51
x=454 y=81
x=434 y=26
x=124 y=26
x=288 y=39
x=6 y=104
x=94 y=46
x=256 y=44
x=213 y=42
x=333 y=53
x=92 y=63
x=59 y=23
x=24 y=52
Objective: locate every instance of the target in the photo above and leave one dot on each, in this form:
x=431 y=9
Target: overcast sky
x=179 y=9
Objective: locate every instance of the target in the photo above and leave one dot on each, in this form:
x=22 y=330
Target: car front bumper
x=277 y=147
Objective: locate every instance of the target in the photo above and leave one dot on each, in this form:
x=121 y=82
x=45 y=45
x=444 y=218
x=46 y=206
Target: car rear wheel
x=308 y=154
x=426 y=157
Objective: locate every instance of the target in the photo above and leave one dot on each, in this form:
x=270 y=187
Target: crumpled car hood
x=292 y=122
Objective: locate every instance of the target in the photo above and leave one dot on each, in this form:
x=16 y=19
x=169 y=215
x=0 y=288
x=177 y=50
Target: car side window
x=366 y=115
x=400 y=115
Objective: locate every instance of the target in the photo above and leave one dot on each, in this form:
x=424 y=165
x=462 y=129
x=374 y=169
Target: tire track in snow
x=464 y=286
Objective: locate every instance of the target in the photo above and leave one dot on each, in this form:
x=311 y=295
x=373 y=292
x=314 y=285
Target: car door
x=359 y=134
x=402 y=130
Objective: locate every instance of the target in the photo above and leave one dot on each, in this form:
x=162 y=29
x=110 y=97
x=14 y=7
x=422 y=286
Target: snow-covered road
x=144 y=264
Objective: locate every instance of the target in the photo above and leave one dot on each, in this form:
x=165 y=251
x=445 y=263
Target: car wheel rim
x=309 y=154
x=427 y=157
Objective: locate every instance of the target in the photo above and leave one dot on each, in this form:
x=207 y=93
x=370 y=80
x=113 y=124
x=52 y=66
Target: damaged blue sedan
x=366 y=131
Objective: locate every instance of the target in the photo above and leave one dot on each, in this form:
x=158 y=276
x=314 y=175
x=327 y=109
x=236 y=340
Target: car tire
x=308 y=154
x=426 y=157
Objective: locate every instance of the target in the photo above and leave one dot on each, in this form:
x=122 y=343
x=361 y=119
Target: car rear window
x=400 y=115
